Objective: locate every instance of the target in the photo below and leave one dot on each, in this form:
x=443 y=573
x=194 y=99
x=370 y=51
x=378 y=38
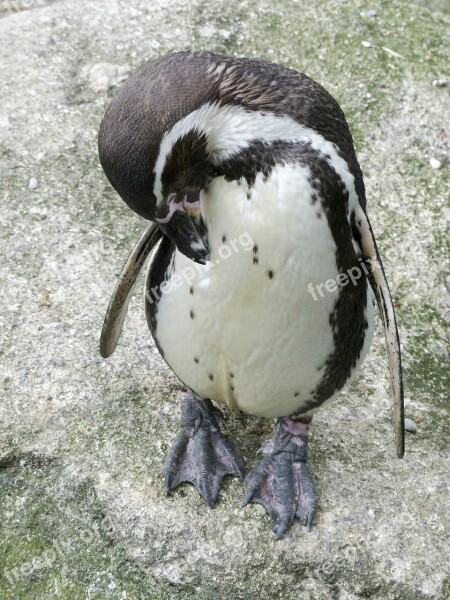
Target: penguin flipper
x=380 y=288
x=120 y=299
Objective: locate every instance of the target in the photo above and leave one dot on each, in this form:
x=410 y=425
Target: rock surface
x=83 y=511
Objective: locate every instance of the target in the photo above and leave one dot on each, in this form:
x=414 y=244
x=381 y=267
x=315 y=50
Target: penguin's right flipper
x=380 y=288
x=120 y=299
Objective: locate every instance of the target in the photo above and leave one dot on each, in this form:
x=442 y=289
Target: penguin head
x=143 y=170
x=186 y=118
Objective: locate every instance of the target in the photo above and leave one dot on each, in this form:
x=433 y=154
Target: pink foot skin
x=201 y=454
x=281 y=481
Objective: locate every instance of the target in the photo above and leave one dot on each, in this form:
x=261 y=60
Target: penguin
x=264 y=273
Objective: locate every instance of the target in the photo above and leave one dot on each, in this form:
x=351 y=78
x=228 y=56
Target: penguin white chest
x=245 y=329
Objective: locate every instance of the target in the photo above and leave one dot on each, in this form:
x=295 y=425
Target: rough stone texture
x=83 y=511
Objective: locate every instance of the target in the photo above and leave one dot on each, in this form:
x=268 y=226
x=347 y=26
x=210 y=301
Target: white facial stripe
x=173 y=207
x=231 y=128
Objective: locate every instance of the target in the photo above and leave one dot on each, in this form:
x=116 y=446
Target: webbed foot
x=281 y=481
x=201 y=454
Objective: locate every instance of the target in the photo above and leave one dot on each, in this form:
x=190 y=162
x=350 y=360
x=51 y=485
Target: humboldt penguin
x=260 y=293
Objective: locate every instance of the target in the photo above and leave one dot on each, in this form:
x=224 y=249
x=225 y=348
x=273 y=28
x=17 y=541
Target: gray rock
x=83 y=440
x=435 y=163
x=102 y=76
x=410 y=426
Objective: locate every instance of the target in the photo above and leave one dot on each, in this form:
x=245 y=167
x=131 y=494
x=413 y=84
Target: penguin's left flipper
x=201 y=454
x=363 y=234
x=120 y=299
x=281 y=481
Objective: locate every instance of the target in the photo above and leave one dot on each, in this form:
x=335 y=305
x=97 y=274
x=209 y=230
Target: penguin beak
x=181 y=221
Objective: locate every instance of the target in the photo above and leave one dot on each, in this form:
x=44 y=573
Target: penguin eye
x=192 y=196
x=171 y=187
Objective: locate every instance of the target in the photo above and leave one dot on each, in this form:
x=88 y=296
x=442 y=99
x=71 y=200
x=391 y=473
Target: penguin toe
x=307 y=502
x=271 y=484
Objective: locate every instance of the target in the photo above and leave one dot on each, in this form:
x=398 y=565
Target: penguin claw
x=282 y=484
x=280 y=530
x=200 y=453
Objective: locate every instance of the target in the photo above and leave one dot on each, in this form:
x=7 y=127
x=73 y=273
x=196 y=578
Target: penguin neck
x=230 y=129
